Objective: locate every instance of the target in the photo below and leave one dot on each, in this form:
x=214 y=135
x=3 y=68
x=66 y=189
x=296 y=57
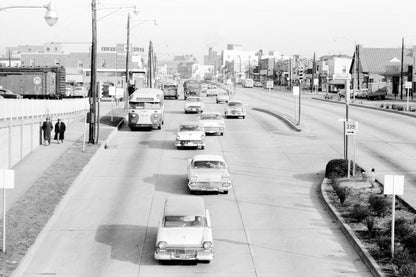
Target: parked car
x=208 y=173
x=212 y=90
x=194 y=104
x=223 y=97
x=190 y=134
x=235 y=109
x=5 y=93
x=184 y=231
x=80 y=92
x=213 y=123
x=258 y=84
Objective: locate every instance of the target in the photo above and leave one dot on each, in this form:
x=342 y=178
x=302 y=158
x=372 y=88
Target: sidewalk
x=31 y=168
x=28 y=170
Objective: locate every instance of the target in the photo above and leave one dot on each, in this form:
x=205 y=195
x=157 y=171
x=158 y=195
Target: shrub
x=410 y=242
x=358 y=213
x=336 y=168
x=402 y=228
x=408 y=270
x=370 y=223
x=378 y=204
x=342 y=193
x=381 y=106
x=384 y=244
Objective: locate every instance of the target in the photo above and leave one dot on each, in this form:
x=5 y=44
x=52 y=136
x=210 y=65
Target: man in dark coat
x=47 y=128
x=60 y=131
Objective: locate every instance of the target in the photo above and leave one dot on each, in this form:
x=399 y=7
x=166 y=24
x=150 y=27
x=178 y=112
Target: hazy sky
x=190 y=26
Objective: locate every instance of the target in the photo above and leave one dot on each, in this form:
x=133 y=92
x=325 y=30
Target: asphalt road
x=270 y=224
x=384 y=140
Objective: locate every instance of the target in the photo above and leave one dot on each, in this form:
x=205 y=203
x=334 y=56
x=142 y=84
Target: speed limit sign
x=351 y=127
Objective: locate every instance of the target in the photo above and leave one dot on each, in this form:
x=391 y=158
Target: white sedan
x=190 y=134
x=194 y=104
x=235 y=109
x=213 y=123
x=223 y=97
x=184 y=231
x=212 y=90
x=208 y=173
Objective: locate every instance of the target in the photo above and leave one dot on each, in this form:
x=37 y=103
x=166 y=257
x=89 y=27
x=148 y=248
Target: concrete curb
x=371 y=264
x=368 y=107
x=286 y=119
x=59 y=208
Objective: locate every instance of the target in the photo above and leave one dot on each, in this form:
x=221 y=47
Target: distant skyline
x=190 y=26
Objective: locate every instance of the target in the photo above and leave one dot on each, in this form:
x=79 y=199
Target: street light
x=51 y=17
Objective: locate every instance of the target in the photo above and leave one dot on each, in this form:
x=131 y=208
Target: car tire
x=222 y=133
x=205 y=261
x=178 y=147
x=244 y=116
x=202 y=147
x=225 y=192
x=159 y=127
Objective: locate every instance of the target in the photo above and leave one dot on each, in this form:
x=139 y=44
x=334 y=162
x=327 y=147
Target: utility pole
x=401 y=71
x=313 y=73
x=93 y=73
x=150 y=65
x=357 y=59
x=126 y=91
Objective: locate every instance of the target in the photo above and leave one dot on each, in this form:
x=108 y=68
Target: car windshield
x=222 y=94
x=185 y=221
x=189 y=127
x=235 y=104
x=193 y=99
x=209 y=164
x=170 y=86
x=211 y=117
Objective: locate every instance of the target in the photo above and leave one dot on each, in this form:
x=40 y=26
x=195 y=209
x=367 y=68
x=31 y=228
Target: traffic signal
x=300 y=74
x=100 y=89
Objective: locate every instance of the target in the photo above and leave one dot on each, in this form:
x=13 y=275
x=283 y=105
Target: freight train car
x=34 y=82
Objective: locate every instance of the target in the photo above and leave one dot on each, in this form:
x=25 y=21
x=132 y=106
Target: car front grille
x=186 y=251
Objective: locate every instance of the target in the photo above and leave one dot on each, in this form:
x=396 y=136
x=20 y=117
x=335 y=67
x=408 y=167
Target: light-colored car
x=190 y=134
x=5 y=93
x=213 y=123
x=204 y=87
x=208 y=173
x=223 y=97
x=80 y=92
x=257 y=84
x=185 y=231
x=212 y=90
x=235 y=109
x=194 y=104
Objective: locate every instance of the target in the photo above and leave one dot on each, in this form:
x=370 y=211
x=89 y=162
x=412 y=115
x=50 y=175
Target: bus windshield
x=145 y=105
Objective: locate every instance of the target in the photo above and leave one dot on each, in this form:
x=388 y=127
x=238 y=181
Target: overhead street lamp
x=51 y=17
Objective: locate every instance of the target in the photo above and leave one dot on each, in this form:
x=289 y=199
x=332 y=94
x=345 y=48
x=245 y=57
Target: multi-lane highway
x=272 y=223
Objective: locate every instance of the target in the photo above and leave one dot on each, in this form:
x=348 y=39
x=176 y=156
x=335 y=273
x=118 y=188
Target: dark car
x=5 y=93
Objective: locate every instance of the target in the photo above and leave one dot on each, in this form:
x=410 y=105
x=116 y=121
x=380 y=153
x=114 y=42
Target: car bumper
x=207 y=186
x=199 y=256
x=229 y=114
x=214 y=130
x=187 y=143
x=193 y=110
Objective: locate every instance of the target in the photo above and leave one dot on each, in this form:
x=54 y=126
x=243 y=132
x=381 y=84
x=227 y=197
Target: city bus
x=146 y=109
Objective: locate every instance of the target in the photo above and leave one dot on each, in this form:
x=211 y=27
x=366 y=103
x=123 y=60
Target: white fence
x=25 y=108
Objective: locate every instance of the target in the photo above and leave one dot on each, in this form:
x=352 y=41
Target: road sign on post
x=393 y=185
x=6 y=182
x=351 y=128
x=269 y=84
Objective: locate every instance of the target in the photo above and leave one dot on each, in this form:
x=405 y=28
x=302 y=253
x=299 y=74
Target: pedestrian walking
x=47 y=128
x=60 y=131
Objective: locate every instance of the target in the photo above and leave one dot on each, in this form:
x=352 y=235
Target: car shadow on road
x=127 y=242
x=170 y=183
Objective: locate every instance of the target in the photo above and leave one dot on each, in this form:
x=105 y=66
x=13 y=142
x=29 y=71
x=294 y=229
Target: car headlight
x=155 y=115
x=207 y=245
x=193 y=179
x=133 y=115
x=178 y=138
x=162 y=245
x=226 y=179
